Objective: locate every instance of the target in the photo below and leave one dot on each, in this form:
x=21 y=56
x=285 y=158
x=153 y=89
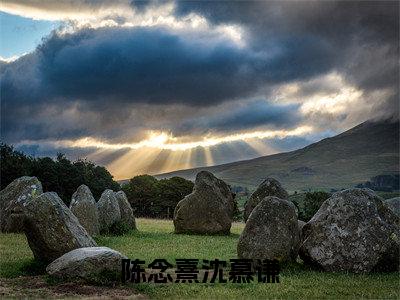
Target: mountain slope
x=354 y=156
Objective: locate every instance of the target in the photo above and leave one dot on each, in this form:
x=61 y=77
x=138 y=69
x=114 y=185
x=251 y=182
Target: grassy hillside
x=367 y=150
x=156 y=240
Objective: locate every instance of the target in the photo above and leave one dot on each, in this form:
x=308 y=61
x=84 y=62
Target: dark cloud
x=331 y=20
x=242 y=117
x=363 y=36
x=155 y=66
x=113 y=83
x=109 y=70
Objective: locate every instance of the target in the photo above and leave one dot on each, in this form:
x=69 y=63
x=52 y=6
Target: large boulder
x=125 y=210
x=271 y=232
x=51 y=228
x=208 y=209
x=269 y=187
x=352 y=231
x=12 y=197
x=86 y=263
x=108 y=210
x=394 y=204
x=84 y=207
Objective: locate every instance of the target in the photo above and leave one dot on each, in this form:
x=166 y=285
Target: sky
x=155 y=86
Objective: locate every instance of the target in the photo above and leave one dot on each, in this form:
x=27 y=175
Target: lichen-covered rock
x=51 y=228
x=12 y=197
x=394 y=204
x=352 y=231
x=108 y=210
x=84 y=207
x=269 y=187
x=208 y=209
x=86 y=263
x=301 y=225
x=271 y=232
x=125 y=210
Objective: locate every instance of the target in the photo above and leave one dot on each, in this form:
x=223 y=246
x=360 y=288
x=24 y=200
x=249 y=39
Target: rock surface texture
x=394 y=204
x=109 y=211
x=86 y=263
x=208 y=209
x=52 y=229
x=12 y=198
x=84 y=207
x=269 y=187
x=352 y=231
x=126 y=210
x=301 y=225
x=271 y=232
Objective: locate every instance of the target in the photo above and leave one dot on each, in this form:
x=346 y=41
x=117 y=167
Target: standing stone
x=125 y=210
x=86 y=263
x=84 y=207
x=208 y=209
x=52 y=229
x=394 y=205
x=352 y=231
x=108 y=210
x=12 y=198
x=271 y=232
x=269 y=187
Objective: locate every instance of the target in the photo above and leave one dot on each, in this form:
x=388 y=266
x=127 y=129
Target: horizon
x=390 y=120
x=151 y=88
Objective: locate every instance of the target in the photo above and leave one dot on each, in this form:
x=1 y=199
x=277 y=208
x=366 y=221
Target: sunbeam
x=208 y=156
x=162 y=140
x=260 y=147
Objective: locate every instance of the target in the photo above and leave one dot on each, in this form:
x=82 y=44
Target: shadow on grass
x=103 y=239
x=230 y=235
x=33 y=267
x=23 y=267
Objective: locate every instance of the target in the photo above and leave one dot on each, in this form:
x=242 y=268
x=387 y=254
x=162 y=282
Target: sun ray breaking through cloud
x=162 y=152
x=162 y=140
x=151 y=87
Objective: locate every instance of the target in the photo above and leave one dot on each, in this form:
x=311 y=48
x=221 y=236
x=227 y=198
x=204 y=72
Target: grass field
x=156 y=240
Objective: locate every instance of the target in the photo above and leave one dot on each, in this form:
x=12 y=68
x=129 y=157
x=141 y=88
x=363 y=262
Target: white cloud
x=79 y=14
x=11 y=58
x=330 y=101
x=54 y=10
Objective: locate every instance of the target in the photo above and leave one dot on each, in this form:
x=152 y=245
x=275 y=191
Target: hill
x=352 y=157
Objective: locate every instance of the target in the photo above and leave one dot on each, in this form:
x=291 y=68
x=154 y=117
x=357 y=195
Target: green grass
x=155 y=239
x=16 y=257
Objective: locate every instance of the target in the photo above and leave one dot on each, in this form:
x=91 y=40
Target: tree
x=95 y=177
x=171 y=191
x=13 y=164
x=60 y=175
x=141 y=192
x=152 y=198
x=312 y=202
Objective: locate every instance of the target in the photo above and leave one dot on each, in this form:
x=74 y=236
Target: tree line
x=58 y=175
x=148 y=196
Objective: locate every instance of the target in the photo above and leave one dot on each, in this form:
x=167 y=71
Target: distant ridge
x=354 y=156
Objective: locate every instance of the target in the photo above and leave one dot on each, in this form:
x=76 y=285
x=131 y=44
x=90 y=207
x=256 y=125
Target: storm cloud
x=363 y=36
x=195 y=67
x=155 y=66
x=251 y=115
x=119 y=67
